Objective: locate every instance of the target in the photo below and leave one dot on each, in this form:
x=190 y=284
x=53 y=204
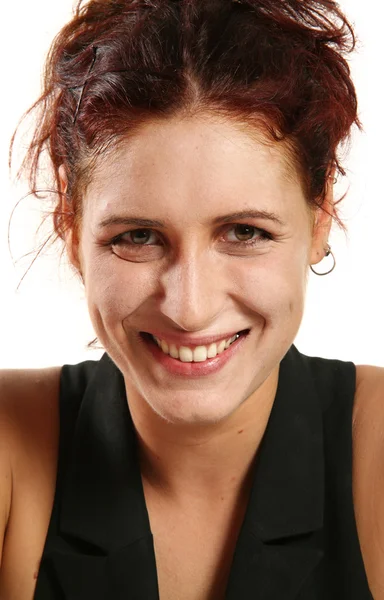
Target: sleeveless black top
x=298 y=540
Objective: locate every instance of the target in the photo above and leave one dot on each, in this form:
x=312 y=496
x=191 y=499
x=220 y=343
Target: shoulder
x=368 y=428
x=29 y=437
x=369 y=375
x=369 y=395
x=28 y=424
x=28 y=401
x=368 y=470
x=25 y=382
x=368 y=419
x=27 y=396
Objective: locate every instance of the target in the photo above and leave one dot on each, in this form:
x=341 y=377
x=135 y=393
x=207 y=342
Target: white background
x=44 y=322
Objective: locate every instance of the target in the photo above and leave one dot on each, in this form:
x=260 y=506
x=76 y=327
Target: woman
x=194 y=148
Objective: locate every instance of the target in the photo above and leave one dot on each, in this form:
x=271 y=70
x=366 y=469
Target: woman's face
x=176 y=242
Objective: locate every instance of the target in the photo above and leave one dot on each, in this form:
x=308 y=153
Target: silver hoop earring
x=328 y=251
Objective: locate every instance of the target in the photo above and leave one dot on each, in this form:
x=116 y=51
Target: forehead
x=200 y=162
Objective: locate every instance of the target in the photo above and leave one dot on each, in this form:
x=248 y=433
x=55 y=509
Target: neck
x=202 y=462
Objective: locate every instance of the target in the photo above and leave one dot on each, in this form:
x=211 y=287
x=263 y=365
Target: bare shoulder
x=368 y=471
x=28 y=403
x=368 y=416
x=370 y=377
x=25 y=385
x=29 y=426
x=28 y=409
x=369 y=397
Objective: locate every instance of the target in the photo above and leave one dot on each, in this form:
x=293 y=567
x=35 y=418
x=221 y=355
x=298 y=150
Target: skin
x=195 y=277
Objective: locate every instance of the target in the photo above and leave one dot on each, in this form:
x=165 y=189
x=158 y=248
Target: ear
x=322 y=222
x=70 y=235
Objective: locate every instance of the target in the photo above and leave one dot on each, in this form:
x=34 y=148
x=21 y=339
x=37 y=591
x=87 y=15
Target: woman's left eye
x=248 y=234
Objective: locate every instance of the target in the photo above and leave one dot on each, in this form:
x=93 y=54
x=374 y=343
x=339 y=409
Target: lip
x=193 y=342
x=193 y=369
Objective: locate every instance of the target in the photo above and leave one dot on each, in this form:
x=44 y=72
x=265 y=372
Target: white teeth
x=199 y=354
x=185 y=354
x=212 y=351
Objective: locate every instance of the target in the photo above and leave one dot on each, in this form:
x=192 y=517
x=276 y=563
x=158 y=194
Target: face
x=194 y=232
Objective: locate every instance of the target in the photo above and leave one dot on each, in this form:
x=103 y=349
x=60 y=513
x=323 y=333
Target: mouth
x=194 y=354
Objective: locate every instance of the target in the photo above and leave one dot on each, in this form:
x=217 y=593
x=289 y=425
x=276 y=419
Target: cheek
x=115 y=289
x=273 y=287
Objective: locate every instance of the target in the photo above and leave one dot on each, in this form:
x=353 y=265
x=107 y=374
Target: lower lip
x=193 y=369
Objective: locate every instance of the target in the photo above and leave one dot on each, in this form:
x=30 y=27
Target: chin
x=190 y=409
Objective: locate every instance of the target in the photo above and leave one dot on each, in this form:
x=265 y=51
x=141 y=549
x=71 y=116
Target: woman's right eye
x=138 y=245
x=137 y=237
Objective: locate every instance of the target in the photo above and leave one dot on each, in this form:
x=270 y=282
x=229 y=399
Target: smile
x=198 y=354
x=195 y=361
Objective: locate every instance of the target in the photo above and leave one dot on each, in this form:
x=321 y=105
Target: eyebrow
x=249 y=214
x=245 y=214
x=131 y=221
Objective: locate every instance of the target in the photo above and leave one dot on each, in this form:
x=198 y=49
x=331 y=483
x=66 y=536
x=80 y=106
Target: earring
x=328 y=251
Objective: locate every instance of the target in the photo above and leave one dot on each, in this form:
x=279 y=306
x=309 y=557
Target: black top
x=298 y=540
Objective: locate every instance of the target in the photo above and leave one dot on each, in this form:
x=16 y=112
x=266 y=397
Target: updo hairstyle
x=275 y=65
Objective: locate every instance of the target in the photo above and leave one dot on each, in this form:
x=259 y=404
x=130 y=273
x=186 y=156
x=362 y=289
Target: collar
x=279 y=544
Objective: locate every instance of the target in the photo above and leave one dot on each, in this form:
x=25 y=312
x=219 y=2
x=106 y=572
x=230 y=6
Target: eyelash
x=265 y=236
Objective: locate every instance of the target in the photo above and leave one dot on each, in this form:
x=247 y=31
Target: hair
x=279 y=65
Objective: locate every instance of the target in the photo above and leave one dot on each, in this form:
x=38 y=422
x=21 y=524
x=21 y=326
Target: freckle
x=240 y=431
x=222 y=497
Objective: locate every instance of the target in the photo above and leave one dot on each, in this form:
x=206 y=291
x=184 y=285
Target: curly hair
x=119 y=64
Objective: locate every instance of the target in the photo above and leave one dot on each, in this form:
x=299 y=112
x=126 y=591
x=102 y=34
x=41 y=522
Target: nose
x=193 y=291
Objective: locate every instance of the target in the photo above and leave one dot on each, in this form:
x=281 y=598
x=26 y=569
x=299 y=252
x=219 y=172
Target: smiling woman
x=193 y=148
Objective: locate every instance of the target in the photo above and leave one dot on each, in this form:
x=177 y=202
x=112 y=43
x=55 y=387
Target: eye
x=141 y=236
x=137 y=237
x=138 y=245
x=247 y=234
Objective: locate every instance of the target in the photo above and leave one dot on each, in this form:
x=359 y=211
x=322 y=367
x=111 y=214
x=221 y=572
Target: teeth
x=199 y=354
x=212 y=351
x=185 y=354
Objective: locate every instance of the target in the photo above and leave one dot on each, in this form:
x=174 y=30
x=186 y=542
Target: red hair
x=279 y=64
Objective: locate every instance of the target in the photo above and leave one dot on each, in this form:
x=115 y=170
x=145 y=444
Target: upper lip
x=191 y=341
